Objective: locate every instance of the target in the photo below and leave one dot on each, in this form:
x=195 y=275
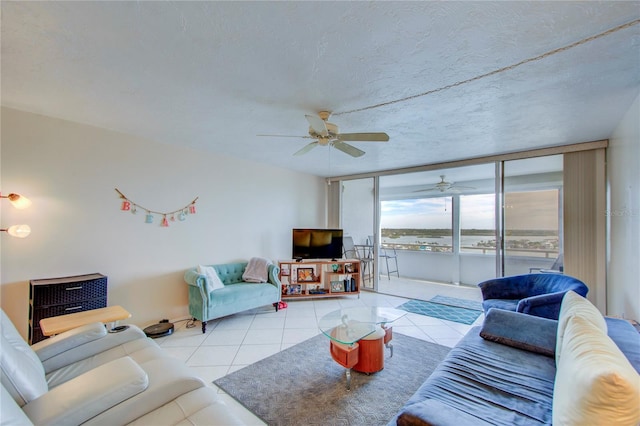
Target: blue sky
x=525 y=210
x=477 y=211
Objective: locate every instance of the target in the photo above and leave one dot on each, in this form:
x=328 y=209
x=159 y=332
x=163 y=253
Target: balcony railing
x=547 y=253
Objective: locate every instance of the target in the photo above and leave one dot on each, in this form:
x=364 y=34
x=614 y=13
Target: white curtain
x=585 y=221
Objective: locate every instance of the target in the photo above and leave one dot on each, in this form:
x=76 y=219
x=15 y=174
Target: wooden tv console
x=320 y=278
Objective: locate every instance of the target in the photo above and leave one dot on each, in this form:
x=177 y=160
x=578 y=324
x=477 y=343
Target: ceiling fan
x=444 y=186
x=328 y=134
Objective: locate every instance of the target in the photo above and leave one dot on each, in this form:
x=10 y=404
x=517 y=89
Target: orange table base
x=371 y=358
x=345 y=355
x=364 y=356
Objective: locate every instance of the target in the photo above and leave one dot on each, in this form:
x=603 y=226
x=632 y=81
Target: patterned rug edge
x=471 y=314
x=458 y=303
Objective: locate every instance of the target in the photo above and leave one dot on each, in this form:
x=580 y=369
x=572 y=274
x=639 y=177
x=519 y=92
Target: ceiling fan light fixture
x=328 y=134
x=444 y=186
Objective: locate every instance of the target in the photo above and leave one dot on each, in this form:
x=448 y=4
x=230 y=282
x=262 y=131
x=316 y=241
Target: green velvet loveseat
x=235 y=296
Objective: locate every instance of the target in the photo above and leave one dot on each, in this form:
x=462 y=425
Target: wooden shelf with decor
x=320 y=278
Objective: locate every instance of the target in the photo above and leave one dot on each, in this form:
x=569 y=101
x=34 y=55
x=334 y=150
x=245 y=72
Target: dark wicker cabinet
x=51 y=297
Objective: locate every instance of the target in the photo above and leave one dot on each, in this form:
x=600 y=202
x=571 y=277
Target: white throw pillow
x=213 y=280
x=574 y=305
x=595 y=383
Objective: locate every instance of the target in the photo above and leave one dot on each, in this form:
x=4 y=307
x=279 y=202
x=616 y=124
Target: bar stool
x=387 y=254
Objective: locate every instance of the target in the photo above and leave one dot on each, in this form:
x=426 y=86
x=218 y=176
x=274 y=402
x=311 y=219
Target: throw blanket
x=257 y=270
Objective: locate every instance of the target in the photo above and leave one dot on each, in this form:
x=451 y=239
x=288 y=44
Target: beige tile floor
x=236 y=341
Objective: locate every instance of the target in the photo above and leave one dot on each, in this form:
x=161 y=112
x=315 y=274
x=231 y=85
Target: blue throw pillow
x=522 y=331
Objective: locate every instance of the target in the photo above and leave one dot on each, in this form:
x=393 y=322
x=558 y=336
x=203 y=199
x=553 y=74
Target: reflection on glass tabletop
x=349 y=325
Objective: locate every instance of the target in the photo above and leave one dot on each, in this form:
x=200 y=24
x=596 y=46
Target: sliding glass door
x=441 y=223
x=469 y=223
x=532 y=212
x=466 y=224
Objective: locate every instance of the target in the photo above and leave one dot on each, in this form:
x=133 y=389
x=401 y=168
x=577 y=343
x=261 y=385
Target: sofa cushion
x=230 y=273
x=168 y=379
x=595 y=383
x=212 y=280
x=139 y=350
x=22 y=373
x=69 y=340
x=79 y=400
x=534 y=334
x=490 y=381
x=626 y=338
x=504 y=304
x=89 y=349
x=438 y=414
x=241 y=294
x=12 y=414
x=198 y=407
x=574 y=305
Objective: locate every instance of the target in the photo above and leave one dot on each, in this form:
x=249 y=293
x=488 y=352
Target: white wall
x=623 y=217
x=70 y=172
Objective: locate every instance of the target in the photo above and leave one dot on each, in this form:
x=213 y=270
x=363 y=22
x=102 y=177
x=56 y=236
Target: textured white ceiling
x=214 y=75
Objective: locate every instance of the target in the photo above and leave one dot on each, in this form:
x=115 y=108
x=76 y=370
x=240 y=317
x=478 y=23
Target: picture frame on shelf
x=348 y=267
x=306 y=275
x=337 y=286
x=316 y=289
x=294 y=289
x=285 y=270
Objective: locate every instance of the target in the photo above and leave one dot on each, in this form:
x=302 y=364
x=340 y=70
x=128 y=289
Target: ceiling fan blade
x=318 y=125
x=364 y=137
x=427 y=190
x=287 y=136
x=348 y=149
x=306 y=148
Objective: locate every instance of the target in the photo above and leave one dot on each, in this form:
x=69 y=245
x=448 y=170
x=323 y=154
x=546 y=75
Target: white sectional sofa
x=89 y=376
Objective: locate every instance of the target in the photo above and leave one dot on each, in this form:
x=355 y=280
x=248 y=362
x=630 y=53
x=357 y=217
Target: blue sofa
x=236 y=296
x=533 y=294
x=502 y=373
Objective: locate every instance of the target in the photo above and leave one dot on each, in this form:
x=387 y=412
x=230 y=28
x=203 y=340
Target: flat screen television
x=317 y=243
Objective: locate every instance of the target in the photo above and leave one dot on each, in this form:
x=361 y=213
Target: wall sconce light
x=18 y=231
x=18 y=201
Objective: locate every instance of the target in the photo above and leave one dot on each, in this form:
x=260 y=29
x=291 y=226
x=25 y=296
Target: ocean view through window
x=417 y=224
x=464 y=224
x=421 y=224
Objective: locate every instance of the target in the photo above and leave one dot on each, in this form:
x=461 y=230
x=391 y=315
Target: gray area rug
x=302 y=385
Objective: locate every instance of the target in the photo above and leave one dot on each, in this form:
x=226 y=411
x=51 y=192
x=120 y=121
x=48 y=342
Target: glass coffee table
x=358 y=335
